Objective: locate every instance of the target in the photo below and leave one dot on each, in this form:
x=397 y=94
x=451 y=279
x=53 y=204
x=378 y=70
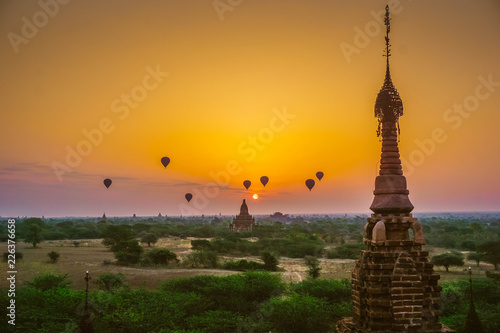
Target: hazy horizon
x=348 y=214
x=95 y=90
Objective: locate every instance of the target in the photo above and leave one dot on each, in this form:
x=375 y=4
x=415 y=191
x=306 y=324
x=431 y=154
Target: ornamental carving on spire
x=388 y=106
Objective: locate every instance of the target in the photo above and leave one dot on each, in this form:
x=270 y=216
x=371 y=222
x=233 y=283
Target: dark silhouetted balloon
x=264 y=180
x=165 y=161
x=188 y=197
x=310 y=183
x=107 y=182
x=247 y=184
x=320 y=175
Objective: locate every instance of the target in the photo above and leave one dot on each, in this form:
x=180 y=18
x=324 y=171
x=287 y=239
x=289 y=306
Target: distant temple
x=394 y=286
x=280 y=217
x=243 y=221
x=104 y=217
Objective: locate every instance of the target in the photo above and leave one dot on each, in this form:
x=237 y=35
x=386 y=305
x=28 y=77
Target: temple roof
x=244 y=208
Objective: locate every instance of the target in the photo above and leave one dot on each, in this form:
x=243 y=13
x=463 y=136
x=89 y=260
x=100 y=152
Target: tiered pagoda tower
x=394 y=286
x=243 y=221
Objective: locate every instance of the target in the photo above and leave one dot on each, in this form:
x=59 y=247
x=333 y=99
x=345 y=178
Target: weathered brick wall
x=394 y=287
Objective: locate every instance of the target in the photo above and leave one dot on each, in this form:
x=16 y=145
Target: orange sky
x=282 y=89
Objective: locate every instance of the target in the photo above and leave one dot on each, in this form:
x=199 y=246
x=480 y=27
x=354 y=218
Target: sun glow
x=255 y=196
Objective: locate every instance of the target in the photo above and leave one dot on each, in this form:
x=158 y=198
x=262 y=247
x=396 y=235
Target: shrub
x=161 y=256
x=110 y=282
x=270 y=261
x=215 y=321
x=200 y=244
x=240 y=293
x=54 y=256
x=243 y=265
x=332 y=291
x=298 y=314
x=202 y=258
x=127 y=252
x=50 y=281
x=493 y=276
x=312 y=264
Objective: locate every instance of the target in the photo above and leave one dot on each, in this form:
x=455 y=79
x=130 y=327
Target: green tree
x=34 y=235
x=468 y=245
x=270 y=261
x=149 y=238
x=448 y=259
x=54 y=256
x=127 y=252
x=313 y=268
x=477 y=257
x=113 y=234
x=27 y=223
x=490 y=252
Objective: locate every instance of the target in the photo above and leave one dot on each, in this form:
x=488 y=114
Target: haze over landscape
x=94 y=90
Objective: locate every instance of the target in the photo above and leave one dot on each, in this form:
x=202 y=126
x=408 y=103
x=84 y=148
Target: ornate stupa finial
x=391 y=193
x=388 y=106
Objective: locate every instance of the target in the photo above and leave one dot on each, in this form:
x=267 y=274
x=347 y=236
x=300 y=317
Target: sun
x=255 y=196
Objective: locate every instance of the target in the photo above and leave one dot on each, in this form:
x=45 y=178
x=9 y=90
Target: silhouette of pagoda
x=243 y=221
x=394 y=286
x=472 y=322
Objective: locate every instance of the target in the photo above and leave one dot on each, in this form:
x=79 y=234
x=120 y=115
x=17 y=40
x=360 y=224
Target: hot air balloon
x=165 y=161
x=107 y=182
x=188 y=197
x=320 y=175
x=247 y=184
x=264 y=180
x=310 y=183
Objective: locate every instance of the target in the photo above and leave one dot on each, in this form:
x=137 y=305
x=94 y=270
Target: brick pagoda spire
x=394 y=287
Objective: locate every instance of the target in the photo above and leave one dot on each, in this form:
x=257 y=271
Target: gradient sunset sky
x=236 y=90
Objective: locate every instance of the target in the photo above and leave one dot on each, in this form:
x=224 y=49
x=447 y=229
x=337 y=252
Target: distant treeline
x=328 y=230
x=460 y=234
x=299 y=238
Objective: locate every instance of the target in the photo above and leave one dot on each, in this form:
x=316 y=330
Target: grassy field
x=91 y=254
